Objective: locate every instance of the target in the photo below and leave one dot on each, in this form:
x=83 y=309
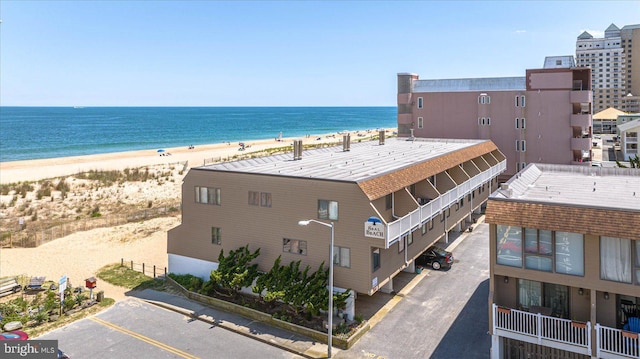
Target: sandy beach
x=79 y=255
x=33 y=170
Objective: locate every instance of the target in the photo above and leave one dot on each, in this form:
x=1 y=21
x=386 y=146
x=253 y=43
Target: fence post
x=131 y=265
x=154 y=271
x=165 y=272
x=121 y=262
x=143 y=268
x=539 y=327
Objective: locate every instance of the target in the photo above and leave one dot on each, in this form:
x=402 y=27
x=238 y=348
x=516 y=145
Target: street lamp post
x=330 y=314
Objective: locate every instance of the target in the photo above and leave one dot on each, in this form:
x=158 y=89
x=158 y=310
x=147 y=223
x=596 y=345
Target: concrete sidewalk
x=373 y=309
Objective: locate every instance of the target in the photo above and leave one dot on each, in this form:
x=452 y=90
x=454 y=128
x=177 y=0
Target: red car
x=14 y=335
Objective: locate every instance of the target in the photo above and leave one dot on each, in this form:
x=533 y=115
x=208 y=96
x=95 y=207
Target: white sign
x=62 y=285
x=374 y=230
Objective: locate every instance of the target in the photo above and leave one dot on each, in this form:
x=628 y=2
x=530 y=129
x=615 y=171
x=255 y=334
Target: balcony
x=582 y=121
x=542 y=329
x=581 y=97
x=581 y=144
x=426 y=212
x=564 y=334
x=615 y=343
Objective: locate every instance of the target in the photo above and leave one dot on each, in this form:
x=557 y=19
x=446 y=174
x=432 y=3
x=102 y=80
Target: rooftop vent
x=346 y=142
x=297 y=150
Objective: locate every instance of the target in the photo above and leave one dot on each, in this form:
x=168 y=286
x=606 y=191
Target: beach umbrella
x=160 y=150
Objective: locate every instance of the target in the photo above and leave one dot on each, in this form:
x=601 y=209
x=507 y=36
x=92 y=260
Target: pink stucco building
x=543 y=117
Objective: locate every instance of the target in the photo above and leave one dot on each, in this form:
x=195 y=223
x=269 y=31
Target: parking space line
x=143 y=338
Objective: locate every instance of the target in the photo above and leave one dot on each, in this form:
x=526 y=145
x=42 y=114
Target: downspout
x=393 y=205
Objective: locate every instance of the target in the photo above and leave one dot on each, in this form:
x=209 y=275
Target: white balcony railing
x=615 y=343
x=426 y=212
x=544 y=330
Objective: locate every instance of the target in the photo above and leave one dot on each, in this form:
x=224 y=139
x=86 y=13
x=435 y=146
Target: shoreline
x=39 y=169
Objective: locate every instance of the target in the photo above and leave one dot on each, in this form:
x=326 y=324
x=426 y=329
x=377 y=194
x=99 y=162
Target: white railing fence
x=615 y=342
x=426 y=212
x=542 y=328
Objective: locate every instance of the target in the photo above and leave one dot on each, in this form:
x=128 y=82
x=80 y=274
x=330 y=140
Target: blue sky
x=285 y=53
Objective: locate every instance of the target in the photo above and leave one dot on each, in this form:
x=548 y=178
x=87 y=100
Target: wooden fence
x=146 y=269
x=34 y=237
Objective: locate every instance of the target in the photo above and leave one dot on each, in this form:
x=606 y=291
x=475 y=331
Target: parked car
x=14 y=335
x=435 y=257
x=62 y=355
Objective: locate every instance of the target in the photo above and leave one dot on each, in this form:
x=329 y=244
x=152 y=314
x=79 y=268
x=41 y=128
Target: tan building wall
x=296 y=198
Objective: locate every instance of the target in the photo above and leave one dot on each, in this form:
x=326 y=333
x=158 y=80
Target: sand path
x=81 y=254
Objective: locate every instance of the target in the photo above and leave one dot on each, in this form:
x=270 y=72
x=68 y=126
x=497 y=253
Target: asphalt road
x=444 y=316
x=134 y=329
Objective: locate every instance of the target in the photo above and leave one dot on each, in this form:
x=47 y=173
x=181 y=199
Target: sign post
x=62 y=285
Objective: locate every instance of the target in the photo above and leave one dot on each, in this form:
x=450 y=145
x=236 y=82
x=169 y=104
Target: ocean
x=48 y=132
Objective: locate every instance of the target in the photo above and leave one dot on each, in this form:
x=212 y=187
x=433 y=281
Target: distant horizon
x=275 y=53
x=266 y=106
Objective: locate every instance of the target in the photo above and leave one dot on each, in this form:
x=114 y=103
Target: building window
x=521 y=145
x=509 y=245
x=294 y=246
x=423 y=228
x=265 y=199
x=342 y=257
x=533 y=296
x=520 y=123
x=375 y=259
x=484 y=99
x=208 y=195
x=616 y=259
x=569 y=253
x=538 y=253
x=259 y=199
x=401 y=243
x=410 y=239
x=388 y=201
x=541 y=247
x=420 y=102
x=420 y=122
x=254 y=198
x=488 y=121
x=520 y=101
x=637 y=261
x=328 y=209
x=523 y=165
x=216 y=237
x=431 y=225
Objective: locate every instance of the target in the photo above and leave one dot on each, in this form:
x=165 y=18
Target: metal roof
x=629 y=125
x=471 y=84
x=364 y=161
x=604 y=187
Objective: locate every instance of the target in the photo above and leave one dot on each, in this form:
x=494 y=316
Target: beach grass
x=124 y=276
